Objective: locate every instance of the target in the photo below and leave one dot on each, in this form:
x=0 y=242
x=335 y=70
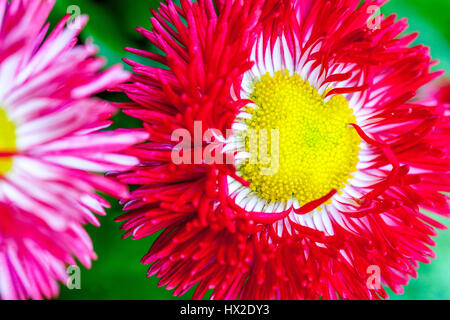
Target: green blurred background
x=118 y=274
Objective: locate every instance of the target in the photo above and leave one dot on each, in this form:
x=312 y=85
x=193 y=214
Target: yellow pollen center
x=7 y=142
x=316 y=150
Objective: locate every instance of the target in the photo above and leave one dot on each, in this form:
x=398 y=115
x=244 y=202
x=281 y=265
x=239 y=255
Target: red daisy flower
x=309 y=165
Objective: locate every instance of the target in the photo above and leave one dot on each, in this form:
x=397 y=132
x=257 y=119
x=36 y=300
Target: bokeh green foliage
x=118 y=274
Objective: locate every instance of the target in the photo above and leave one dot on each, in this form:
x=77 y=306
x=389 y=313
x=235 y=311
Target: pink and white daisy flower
x=357 y=159
x=51 y=139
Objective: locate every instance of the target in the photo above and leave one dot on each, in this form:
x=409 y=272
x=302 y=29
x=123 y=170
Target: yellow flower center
x=7 y=142
x=304 y=146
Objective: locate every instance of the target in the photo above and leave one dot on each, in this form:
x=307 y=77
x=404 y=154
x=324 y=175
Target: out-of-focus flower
x=334 y=209
x=50 y=141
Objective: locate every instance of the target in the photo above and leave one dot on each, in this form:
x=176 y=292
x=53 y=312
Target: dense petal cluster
x=51 y=143
x=218 y=232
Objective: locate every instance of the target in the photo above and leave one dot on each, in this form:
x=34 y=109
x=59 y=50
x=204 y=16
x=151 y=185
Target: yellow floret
x=7 y=141
x=317 y=150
